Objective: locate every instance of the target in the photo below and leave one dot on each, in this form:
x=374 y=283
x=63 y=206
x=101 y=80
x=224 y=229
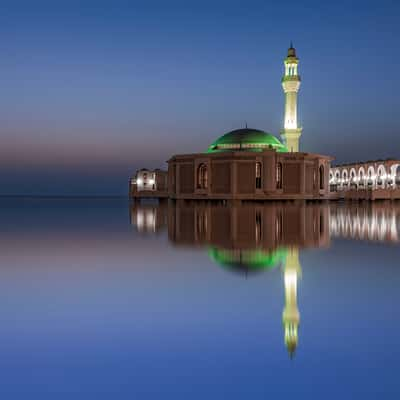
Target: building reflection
x=150 y=218
x=366 y=221
x=255 y=237
x=243 y=234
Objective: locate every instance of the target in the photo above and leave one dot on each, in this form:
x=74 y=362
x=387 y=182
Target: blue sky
x=93 y=90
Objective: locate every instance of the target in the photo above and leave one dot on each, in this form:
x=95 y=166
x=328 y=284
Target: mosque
x=245 y=164
x=251 y=164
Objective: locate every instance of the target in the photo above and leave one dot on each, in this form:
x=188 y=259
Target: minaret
x=291 y=315
x=291 y=84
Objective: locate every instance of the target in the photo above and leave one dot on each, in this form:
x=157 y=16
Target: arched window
x=397 y=175
x=202 y=177
x=279 y=176
x=321 y=177
x=258 y=175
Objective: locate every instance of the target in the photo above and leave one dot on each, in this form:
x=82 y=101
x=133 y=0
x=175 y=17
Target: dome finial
x=291 y=50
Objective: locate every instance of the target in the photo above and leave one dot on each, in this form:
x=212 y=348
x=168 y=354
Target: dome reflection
x=258 y=237
x=246 y=261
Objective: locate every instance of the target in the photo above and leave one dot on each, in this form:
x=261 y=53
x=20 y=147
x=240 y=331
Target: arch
x=353 y=177
x=202 y=176
x=370 y=171
x=321 y=177
x=381 y=176
x=381 y=171
x=395 y=174
x=345 y=178
x=371 y=177
x=334 y=175
x=361 y=176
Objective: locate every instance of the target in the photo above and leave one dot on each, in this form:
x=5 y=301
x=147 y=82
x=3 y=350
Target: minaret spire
x=291 y=84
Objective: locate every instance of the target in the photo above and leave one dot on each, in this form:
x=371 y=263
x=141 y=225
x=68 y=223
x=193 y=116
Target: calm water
x=105 y=299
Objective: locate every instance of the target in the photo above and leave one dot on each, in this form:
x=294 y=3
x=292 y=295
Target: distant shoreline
x=23 y=196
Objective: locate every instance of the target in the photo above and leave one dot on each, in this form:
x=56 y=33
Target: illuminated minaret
x=291 y=315
x=291 y=83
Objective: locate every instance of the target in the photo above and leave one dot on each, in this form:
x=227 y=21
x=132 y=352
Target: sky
x=93 y=90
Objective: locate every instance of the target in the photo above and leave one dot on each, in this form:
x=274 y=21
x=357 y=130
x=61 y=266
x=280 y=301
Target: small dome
x=247 y=140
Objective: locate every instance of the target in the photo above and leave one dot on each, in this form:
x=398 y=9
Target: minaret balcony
x=288 y=78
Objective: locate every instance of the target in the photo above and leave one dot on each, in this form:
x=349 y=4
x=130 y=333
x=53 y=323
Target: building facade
x=149 y=183
x=249 y=175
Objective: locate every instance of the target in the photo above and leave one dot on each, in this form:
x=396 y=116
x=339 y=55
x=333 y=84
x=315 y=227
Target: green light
x=247 y=140
x=253 y=260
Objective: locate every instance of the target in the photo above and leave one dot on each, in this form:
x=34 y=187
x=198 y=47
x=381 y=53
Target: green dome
x=247 y=140
x=247 y=260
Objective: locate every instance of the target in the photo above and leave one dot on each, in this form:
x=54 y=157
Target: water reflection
x=291 y=314
x=369 y=221
x=150 y=218
x=250 y=238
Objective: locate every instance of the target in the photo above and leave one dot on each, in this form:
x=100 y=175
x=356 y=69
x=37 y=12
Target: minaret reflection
x=291 y=314
x=257 y=237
